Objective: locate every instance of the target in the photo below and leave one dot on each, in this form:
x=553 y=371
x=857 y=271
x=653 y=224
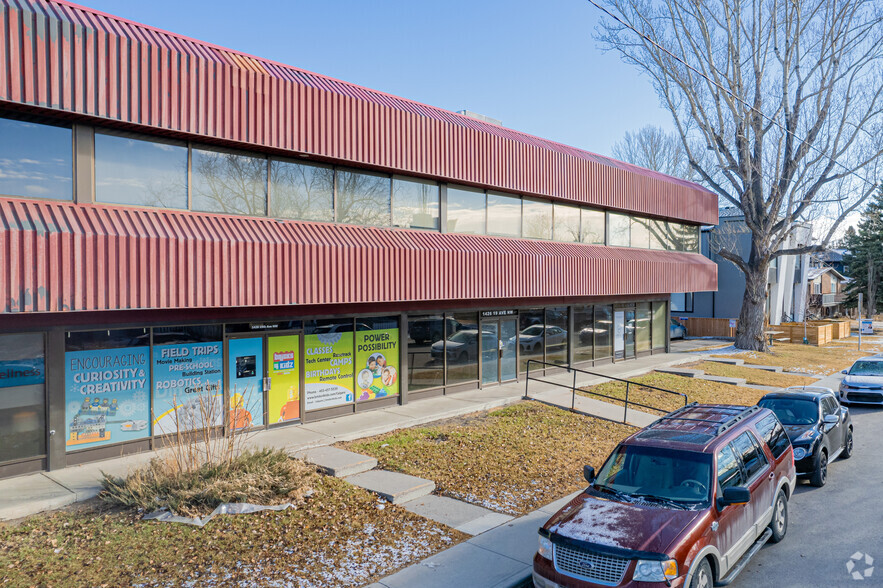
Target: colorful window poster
x=245 y=382
x=188 y=390
x=107 y=395
x=283 y=355
x=377 y=360
x=328 y=370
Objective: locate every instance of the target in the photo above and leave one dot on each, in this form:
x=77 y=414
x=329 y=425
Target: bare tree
x=784 y=100
x=653 y=148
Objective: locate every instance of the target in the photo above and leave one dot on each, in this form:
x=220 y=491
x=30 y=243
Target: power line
x=727 y=91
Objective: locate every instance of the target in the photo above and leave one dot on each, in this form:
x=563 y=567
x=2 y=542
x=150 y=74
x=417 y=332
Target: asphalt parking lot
x=829 y=525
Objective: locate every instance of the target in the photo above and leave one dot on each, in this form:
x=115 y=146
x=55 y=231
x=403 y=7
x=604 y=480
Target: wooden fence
x=817 y=332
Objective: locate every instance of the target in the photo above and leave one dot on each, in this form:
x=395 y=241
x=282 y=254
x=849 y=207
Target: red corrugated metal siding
x=69 y=58
x=62 y=256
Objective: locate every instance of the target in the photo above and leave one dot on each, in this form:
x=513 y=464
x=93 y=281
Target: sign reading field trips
x=187 y=386
x=107 y=395
x=328 y=370
x=283 y=355
x=377 y=360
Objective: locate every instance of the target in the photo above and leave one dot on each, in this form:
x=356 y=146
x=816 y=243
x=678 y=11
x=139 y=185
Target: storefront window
x=531 y=340
x=415 y=204
x=583 y=337
x=22 y=397
x=592 y=229
x=377 y=357
x=462 y=348
x=642 y=326
x=301 y=191
x=640 y=237
x=228 y=183
x=36 y=160
x=467 y=211
x=188 y=380
x=107 y=387
x=619 y=230
x=140 y=172
x=536 y=219
x=426 y=350
x=328 y=363
x=660 y=325
x=363 y=199
x=556 y=335
x=503 y=215
x=566 y=223
x=603 y=331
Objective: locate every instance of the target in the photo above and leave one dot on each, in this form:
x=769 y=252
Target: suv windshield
x=792 y=411
x=866 y=368
x=680 y=476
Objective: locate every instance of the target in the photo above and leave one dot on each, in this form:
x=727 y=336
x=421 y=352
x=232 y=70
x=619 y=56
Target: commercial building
x=196 y=237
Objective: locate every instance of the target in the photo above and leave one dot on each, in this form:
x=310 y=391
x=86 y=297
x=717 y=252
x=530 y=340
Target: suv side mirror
x=832 y=419
x=734 y=495
x=844 y=371
x=589 y=474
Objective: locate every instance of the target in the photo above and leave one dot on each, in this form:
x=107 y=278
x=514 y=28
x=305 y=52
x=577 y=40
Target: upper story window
x=503 y=215
x=36 y=160
x=363 y=198
x=618 y=229
x=833 y=285
x=567 y=221
x=467 y=211
x=593 y=226
x=301 y=191
x=131 y=170
x=640 y=229
x=415 y=204
x=536 y=220
x=228 y=182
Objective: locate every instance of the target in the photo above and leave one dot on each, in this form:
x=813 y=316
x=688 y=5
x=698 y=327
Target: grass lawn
x=340 y=536
x=701 y=391
x=751 y=375
x=511 y=460
x=821 y=361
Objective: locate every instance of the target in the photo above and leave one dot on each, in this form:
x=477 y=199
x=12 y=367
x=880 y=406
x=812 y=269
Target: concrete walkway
x=33 y=493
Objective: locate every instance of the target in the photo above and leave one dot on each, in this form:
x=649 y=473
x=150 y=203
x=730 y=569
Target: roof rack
x=721 y=426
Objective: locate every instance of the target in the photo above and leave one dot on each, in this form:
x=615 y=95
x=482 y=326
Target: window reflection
x=363 y=198
x=461 y=348
x=36 y=160
x=466 y=211
x=642 y=326
x=427 y=333
x=619 y=226
x=592 y=229
x=531 y=341
x=640 y=232
x=140 y=172
x=567 y=220
x=229 y=183
x=556 y=335
x=503 y=215
x=583 y=336
x=23 y=408
x=537 y=219
x=415 y=204
x=301 y=191
x=603 y=331
x=660 y=325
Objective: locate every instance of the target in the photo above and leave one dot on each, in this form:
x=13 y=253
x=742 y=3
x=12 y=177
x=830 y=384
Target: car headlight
x=655 y=571
x=545 y=548
x=799 y=453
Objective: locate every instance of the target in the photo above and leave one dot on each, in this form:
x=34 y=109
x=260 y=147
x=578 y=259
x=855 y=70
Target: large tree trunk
x=749 y=333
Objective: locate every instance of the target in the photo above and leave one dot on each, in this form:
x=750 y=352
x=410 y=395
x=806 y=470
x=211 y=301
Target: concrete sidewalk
x=33 y=493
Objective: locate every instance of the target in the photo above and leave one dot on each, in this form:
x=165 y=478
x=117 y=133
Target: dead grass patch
x=340 y=536
x=751 y=375
x=701 y=391
x=511 y=460
x=821 y=361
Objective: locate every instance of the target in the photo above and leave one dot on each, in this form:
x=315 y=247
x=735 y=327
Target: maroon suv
x=686 y=501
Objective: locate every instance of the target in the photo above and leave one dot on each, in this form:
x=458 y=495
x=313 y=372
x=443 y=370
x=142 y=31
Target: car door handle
x=772 y=475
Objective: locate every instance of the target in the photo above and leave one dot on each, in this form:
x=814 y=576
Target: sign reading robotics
x=188 y=390
x=107 y=394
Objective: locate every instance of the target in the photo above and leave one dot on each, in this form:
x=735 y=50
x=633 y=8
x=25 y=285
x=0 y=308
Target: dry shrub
x=260 y=476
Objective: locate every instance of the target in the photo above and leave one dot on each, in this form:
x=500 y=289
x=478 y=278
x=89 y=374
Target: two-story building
x=196 y=237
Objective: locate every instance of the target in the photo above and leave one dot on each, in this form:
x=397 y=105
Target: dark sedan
x=820 y=428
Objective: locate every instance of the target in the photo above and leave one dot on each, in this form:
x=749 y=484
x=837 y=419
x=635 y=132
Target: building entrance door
x=618 y=334
x=499 y=350
x=284 y=375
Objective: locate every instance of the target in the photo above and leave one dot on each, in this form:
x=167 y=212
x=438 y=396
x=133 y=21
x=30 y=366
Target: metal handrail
x=573 y=388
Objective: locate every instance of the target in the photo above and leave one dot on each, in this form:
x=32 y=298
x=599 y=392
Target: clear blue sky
x=533 y=65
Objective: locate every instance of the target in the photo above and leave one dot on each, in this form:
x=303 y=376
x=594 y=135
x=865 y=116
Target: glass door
x=490 y=352
x=618 y=334
x=629 y=333
x=245 y=382
x=508 y=349
x=283 y=377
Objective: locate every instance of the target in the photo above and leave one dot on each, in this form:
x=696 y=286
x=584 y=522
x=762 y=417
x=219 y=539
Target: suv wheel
x=820 y=476
x=702 y=578
x=779 y=524
x=847 y=447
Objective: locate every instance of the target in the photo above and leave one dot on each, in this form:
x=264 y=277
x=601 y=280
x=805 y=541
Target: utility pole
x=860 y=301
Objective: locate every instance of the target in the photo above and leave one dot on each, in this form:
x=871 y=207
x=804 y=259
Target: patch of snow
x=597 y=522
